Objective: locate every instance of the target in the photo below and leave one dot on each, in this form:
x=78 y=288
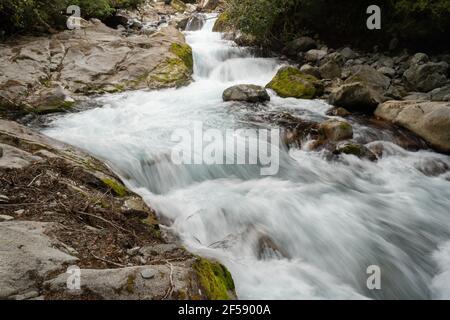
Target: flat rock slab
x=26 y=256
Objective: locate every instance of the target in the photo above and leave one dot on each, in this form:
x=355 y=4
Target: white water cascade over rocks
x=309 y=232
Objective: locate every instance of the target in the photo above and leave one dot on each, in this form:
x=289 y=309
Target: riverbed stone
x=336 y=130
x=247 y=93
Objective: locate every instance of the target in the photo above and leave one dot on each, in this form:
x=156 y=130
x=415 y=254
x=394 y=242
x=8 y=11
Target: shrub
x=416 y=23
x=29 y=16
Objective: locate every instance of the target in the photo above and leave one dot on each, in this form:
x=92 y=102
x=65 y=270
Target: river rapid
x=308 y=232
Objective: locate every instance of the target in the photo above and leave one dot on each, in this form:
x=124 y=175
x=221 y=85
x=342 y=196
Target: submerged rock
x=355 y=149
x=246 y=92
x=291 y=82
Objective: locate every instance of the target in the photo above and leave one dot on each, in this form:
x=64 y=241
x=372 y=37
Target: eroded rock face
x=429 y=120
x=246 y=92
x=45 y=74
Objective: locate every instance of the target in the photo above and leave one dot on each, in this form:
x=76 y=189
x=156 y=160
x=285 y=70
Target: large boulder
x=355 y=96
x=425 y=76
x=370 y=77
x=46 y=74
x=246 y=92
x=291 y=82
x=429 y=120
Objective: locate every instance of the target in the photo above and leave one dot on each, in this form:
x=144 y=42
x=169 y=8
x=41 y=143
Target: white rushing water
x=309 y=232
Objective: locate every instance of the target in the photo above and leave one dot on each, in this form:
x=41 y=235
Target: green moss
x=129 y=286
x=291 y=82
x=223 y=23
x=170 y=72
x=178 y=5
x=118 y=188
x=184 y=52
x=61 y=106
x=353 y=149
x=215 y=279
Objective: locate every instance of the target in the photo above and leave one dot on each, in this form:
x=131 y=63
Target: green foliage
x=418 y=23
x=28 y=16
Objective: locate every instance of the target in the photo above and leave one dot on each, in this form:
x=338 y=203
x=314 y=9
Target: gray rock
x=302 y=44
x=315 y=55
x=355 y=96
x=246 y=92
x=330 y=70
x=148 y=273
x=348 y=53
x=370 y=77
x=128 y=283
x=419 y=58
x=429 y=120
x=336 y=130
x=14 y=158
x=389 y=72
x=309 y=69
x=27 y=254
x=426 y=77
x=440 y=94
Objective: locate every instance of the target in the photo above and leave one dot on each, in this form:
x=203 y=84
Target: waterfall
x=309 y=232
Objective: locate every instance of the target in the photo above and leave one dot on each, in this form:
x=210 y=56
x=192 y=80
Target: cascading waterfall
x=309 y=232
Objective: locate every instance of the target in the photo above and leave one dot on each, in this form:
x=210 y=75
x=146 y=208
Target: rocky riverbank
x=60 y=207
x=368 y=83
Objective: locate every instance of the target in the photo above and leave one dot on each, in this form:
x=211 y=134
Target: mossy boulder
x=215 y=280
x=223 y=23
x=291 y=82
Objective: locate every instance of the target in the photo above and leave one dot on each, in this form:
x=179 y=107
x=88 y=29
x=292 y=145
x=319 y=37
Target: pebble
x=148 y=273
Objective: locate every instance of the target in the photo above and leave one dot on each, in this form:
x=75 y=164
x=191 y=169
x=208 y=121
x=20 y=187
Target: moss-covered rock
x=178 y=5
x=184 y=52
x=215 y=280
x=291 y=82
x=223 y=23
